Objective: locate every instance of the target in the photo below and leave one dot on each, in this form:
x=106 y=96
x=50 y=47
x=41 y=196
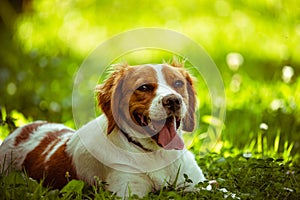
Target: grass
x=242 y=176
x=259 y=171
x=255 y=178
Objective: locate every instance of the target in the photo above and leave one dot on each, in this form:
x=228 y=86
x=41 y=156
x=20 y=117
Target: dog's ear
x=189 y=119
x=109 y=94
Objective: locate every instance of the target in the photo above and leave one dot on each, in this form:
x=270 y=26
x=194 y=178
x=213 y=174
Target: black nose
x=172 y=102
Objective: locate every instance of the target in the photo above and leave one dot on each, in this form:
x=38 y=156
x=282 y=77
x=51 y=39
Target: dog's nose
x=172 y=102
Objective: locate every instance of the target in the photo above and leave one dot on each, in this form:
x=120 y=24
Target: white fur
x=124 y=166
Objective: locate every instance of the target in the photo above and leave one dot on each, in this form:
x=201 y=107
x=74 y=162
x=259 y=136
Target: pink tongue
x=169 y=139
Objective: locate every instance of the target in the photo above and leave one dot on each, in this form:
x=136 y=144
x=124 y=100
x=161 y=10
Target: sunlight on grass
x=81 y=27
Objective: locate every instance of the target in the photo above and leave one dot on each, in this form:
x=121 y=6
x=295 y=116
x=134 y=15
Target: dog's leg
x=192 y=170
x=126 y=184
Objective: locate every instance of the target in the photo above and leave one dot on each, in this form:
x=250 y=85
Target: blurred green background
x=255 y=44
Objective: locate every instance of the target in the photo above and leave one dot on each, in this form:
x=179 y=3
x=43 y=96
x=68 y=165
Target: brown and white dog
x=135 y=145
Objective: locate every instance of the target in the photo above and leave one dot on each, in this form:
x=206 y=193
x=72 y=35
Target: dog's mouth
x=163 y=132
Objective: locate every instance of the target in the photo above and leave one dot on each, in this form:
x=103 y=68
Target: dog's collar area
x=135 y=142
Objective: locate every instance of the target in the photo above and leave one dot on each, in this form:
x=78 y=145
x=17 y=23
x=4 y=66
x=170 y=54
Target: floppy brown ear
x=108 y=96
x=189 y=119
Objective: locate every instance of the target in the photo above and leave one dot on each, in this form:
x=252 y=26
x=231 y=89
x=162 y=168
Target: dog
x=135 y=146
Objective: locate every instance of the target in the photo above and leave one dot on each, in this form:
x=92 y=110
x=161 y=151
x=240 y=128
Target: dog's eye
x=178 y=84
x=145 y=88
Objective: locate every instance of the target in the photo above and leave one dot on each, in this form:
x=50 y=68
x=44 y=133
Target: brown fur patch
x=105 y=92
x=27 y=131
x=118 y=96
x=189 y=120
x=54 y=170
x=172 y=74
x=138 y=101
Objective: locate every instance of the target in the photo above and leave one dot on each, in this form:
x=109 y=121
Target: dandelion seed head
x=234 y=61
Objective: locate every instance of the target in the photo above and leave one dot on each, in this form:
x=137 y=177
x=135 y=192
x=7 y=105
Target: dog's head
x=152 y=103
